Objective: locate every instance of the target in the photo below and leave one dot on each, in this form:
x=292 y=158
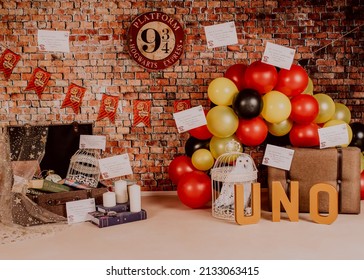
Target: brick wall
x=99 y=61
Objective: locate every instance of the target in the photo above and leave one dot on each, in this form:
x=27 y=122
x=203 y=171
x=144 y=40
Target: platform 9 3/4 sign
x=155 y=40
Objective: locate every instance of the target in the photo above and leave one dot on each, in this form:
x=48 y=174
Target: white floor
x=174 y=231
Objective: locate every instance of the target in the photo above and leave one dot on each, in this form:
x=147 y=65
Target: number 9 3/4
x=155 y=43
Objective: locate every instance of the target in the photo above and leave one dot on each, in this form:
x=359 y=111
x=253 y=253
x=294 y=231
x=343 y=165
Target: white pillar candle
x=135 y=198
x=109 y=199
x=121 y=191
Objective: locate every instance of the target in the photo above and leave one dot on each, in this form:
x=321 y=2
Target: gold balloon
x=276 y=106
x=222 y=121
x=309 y=88
x=281 y=128
x=219 y=146
x=221 y=91
x=338 y=122
x=202 y=159
x=341 y=113
x=326 y=107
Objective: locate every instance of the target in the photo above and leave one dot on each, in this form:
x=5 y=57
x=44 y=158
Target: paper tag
x=332 y=136
x=278 y=55
x=189 y=119
x=115 y=166
x=219 y=35
x=53 y=41
x=93 y=142
x=77 y=210
x=278 y=157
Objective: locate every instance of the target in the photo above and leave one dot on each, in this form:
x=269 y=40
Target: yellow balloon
x=221 y=91
x=202 y=159
x=341 y=113
x=338 y=122
x=281 y=128
x=309 y=88
x=222 y=121
x=276 y=107
x=326 y=107
x=219 y=146
x=361 y=162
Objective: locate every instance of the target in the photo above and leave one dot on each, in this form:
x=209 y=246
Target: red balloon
x=236 y=74
x=195 y=190
x=252 y=132
x=293 y=81
x=180 y=166
x=304 y=135
x=304 y=108
x=260 y=76
x=202 y=132
x=362 y=185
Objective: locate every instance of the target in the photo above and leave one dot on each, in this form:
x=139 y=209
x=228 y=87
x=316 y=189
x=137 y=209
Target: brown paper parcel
x=337 y=167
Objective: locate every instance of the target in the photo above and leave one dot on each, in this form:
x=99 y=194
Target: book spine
x=34 y=192
x=120 y=218
x=54 y=187
x=76 y=185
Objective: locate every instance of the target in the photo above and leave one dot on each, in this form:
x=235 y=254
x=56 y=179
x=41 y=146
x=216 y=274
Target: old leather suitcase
x=53 y=145
x=56 y=202
x=62 y=142
x=339 y=167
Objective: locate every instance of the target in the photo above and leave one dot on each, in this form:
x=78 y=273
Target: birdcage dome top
x=234 y=167
x=84 y=167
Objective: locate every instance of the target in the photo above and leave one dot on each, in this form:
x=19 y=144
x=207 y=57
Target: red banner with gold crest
x=109 y=105
x=74 y=97
x=181 y=105
x=141 y=112
x=8 y=61
x=38 y=81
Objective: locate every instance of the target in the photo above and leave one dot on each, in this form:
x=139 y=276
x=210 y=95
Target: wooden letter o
x=333 y=203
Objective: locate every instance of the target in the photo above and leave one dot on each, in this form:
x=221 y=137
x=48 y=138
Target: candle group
x=122 y=193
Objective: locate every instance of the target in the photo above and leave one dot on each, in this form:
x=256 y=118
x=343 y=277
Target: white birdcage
x=230 y=169
x=84 y=168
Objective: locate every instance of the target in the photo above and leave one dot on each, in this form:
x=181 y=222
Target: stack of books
x=116 y=215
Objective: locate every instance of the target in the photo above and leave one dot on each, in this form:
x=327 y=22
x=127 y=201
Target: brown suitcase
x=56 y=202
x=339 y=167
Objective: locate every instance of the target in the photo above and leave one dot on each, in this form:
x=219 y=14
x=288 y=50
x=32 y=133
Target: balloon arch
x=252 y=105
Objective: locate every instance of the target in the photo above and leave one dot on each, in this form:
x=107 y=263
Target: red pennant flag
x=74 y=97
x=142 y=112
x=109 y=105
x=181 y=105
x=38 y=81
x=8 y=61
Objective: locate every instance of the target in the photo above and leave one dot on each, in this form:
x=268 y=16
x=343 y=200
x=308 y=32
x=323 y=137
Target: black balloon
x=247 y=104
x=358 y=135
x=193 y=144
x=281 y=141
